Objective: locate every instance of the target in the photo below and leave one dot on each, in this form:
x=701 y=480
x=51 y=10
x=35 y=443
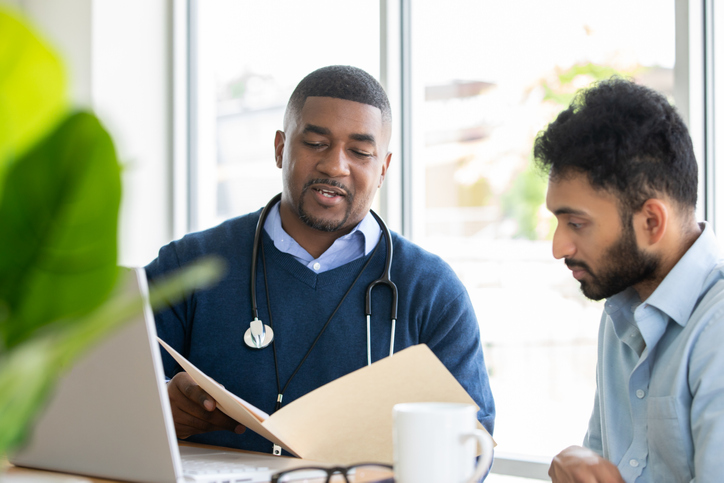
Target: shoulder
x=228 y=240
x=708 y=317
x=226 y=236
x=419 y=258
x=709 y=308
x=424 y=270
x=704 y=334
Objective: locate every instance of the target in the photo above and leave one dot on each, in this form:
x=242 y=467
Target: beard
x=625 y=265
x=322 y=224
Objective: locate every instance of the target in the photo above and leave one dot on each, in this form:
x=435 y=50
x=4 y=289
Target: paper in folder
x=348 y=420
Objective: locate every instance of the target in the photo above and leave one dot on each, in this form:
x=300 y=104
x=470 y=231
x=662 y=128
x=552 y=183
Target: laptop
x=110 y=417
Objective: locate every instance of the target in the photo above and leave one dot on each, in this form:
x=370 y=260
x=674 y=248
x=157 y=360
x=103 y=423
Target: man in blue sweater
x=319 y=249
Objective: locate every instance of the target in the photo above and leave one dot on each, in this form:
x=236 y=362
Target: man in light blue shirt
x=623 y=187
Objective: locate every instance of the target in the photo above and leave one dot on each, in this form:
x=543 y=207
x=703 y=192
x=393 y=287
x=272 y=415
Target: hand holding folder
x=350 y=419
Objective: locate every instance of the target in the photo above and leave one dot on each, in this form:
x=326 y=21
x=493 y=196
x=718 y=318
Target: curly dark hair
x=628 y=140
x=341 y=82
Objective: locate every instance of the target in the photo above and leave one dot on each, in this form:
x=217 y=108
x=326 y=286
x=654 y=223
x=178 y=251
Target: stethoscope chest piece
x=258 y=335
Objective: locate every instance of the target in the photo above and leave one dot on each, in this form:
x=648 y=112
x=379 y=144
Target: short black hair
x=628 y=140
x=341 y=82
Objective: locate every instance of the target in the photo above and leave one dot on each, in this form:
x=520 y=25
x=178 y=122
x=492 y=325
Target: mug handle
x=486 y=453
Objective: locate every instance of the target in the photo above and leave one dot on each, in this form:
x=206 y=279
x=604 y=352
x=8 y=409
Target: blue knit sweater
x=208 y=327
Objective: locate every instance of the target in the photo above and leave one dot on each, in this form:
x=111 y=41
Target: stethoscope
x=259 y=335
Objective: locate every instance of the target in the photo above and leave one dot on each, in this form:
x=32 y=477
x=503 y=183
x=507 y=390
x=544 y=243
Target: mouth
x=328 y=192
x=578 y=271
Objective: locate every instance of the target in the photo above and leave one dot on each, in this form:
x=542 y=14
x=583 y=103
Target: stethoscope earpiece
x=258 y=335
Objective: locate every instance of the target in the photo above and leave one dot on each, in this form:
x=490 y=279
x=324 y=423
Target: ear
x=279 y=141
x=652 y=221
x=385 y=165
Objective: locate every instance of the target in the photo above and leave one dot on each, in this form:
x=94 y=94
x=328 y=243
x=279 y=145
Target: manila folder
x=349 y=420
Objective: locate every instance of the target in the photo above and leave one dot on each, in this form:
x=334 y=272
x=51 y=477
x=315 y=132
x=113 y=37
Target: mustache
x=577 y=264
x=330 y=182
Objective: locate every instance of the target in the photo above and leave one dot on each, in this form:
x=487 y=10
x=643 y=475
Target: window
x=471 y=83
x=247 y=57
x=486 y=77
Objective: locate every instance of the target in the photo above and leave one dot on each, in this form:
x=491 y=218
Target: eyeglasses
x=361 y=473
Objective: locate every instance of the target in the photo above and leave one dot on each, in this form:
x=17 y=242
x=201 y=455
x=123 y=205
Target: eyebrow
x=569 y=211
x=323 y=131
x=365 y=138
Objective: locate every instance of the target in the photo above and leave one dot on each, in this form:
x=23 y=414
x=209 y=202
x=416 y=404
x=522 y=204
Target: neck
x=679 y=245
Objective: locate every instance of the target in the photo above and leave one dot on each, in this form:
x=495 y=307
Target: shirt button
x=634 y=463
x=316 y=266
x=640 y=393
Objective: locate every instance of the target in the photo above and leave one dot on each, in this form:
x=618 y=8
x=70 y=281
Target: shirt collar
x=367 y=229
x=679 y=292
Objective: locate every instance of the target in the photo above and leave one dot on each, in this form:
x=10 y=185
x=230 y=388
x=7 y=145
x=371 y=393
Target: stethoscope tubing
x=255 y=251
x=384 y=279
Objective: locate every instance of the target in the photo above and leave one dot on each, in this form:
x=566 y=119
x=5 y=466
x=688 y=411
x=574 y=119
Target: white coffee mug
x=436 y=443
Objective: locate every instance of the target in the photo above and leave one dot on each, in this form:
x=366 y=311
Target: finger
x=191 y=415
x=187 y=425
x=581 y=465
x=185 y=393
x=183 y=431
x=194 y=392
x=222 y=421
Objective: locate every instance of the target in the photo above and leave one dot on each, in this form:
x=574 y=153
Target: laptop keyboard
x=222 y=472
x=228 y=467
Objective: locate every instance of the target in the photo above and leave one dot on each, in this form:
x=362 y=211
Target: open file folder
x=348 y=420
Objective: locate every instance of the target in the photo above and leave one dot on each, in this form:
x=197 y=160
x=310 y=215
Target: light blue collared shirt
x=659 y=407
x=355 y=244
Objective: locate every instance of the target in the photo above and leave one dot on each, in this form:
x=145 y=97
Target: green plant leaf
x=32 y=89
x=29 y=371
x=59 y=213
x=26 y=374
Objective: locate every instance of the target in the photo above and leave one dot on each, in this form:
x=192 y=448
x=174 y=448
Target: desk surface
x=14 y=474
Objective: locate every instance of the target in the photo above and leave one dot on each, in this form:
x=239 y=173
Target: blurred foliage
x=476 y=194
x=59 y=212
x=523 y=200
x=564 y=90
x=32 y=90
x=60 y=193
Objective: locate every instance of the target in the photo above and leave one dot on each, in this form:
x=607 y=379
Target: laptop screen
x=109 y=416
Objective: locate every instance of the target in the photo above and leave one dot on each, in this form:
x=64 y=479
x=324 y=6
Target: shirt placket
x=646 y=333
x=634 y=460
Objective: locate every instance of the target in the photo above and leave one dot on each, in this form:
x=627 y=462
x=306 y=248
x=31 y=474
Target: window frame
x=698 y=52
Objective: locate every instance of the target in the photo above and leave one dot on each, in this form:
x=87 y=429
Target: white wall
x=118 y=54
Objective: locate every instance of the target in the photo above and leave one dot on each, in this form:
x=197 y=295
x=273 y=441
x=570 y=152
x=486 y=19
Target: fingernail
x=239 y=429
x=208 y=405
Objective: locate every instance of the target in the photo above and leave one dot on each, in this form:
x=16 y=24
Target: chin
x=328 y=225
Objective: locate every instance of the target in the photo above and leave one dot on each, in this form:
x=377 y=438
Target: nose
x=334 y=162
x=563 y=246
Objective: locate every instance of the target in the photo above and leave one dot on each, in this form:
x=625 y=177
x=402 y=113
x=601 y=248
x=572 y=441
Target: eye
x=575 y=226
x=362 y=154
x=314 y=144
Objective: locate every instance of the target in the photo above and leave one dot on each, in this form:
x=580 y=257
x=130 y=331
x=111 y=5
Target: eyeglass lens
x=356 y=474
